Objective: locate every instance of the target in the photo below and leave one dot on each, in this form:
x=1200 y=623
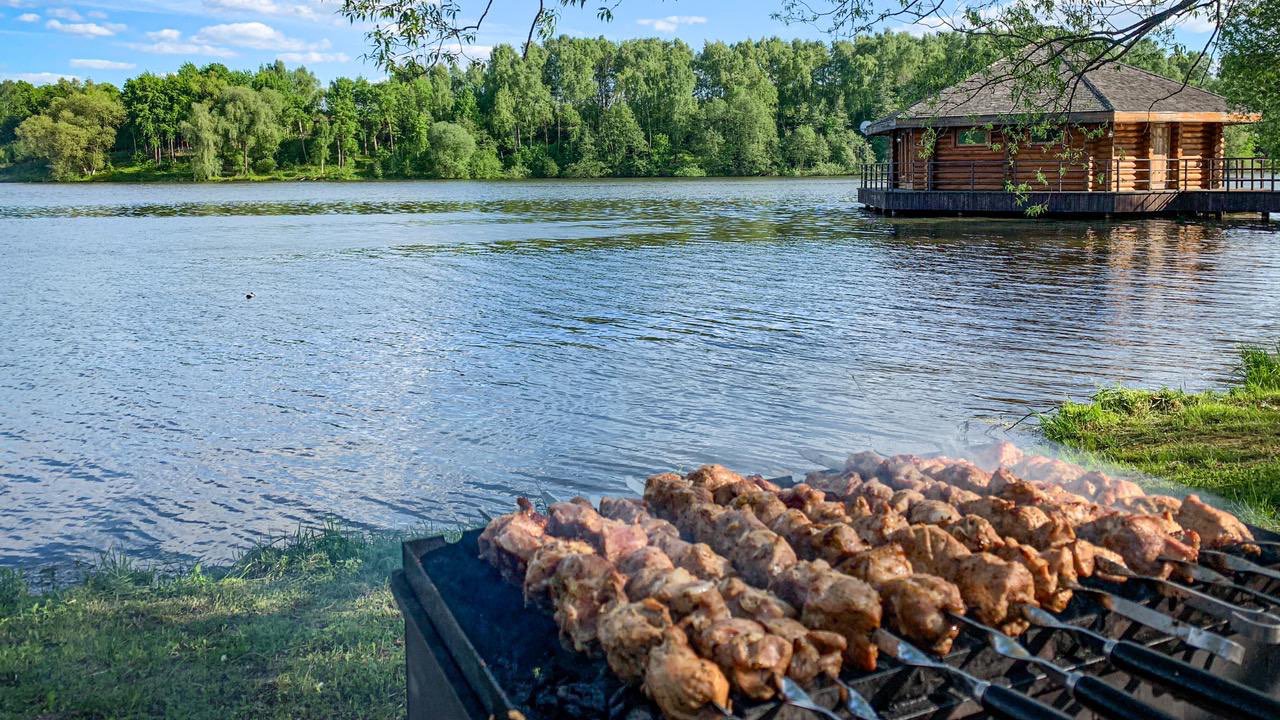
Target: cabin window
x=973 y=136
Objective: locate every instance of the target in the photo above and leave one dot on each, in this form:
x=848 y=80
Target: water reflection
x=416 y=352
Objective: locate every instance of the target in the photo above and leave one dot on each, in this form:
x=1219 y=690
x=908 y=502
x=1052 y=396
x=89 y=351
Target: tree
x=76 y=132
x=201 y=131
x=1046 y=46
x=621 y=141
x=1251 y=68
x=804 y=148
x=322 y=135
x=416 y=34
x=246 y=122
x=145 y=106
x=451 y=149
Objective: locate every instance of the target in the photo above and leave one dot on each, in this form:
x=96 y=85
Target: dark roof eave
x=880 y=127
x=889 y=124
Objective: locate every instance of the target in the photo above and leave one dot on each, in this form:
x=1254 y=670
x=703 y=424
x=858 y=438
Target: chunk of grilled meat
x=698 y=558
x=683 y=685
x=753 y=603
x=811 y=540
x=989 y=585
x=629 y=632
x=582 y=587
x=932 y=512
x=830 y=600
x=992 y=588
x=976 y=533
x=878 y=565
x=930 y=549
x=1149 y=504
x=700 y=597
x=875 y=526
x=578 y=520
x=1215 y=527
x=813 y=652
x=1050 y=592
x=628 y=510
x=712 y=477
x=542 y=567
x=764 y=505
x=639 y=559
x=814 y=503
x=753 y=659
x=657 y=582
x=1025 y=523
x=509 y=541
x=1142 y=540
x=917 y=605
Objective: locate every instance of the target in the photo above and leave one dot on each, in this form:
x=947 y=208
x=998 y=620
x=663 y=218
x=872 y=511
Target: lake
x=417 y=352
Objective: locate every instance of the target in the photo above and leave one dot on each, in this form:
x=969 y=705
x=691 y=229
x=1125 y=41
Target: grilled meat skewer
x=996 y=699
x=1089 y=691
x=1197 y=686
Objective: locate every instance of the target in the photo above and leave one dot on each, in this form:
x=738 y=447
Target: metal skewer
x=1202 y=574
x=1089 y=691
x=793 y=694
x=1255 y=624
x=1192 y=635
x=996 y=699
x=1197 y=686
x=855 y=703
x=1239 y=564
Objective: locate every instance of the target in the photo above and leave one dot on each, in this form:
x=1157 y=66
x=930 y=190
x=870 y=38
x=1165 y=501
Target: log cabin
x=1126 y=141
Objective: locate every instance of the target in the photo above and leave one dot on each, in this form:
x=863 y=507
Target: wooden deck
x=1001 y=202
x=1212 y=185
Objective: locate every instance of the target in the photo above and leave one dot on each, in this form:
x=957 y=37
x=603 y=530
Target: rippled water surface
x=416 y=352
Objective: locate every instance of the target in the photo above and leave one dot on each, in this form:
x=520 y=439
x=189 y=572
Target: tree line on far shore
x=573 y=107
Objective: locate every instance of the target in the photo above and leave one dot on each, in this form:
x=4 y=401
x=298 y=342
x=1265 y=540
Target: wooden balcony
x=1124 y=186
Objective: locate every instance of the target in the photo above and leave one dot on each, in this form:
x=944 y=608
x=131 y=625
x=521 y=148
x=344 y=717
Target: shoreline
x=1222 y=441
x=136 y=176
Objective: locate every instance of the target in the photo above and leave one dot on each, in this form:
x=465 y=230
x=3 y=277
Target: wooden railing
x=1114 y=175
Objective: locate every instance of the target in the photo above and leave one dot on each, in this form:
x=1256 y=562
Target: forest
x=571 y=107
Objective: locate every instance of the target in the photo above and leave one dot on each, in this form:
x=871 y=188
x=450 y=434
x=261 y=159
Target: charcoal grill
x=475 y=652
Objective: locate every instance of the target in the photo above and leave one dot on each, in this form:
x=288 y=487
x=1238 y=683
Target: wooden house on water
x=1128 y=142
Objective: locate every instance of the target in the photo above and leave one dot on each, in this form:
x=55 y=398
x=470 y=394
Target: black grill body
x=474 y=652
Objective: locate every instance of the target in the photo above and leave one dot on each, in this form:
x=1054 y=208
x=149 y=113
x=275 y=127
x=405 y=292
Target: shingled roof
x=1103 y=92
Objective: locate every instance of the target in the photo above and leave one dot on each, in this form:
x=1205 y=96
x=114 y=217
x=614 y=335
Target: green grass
x=302 y=628
x=1226 y=442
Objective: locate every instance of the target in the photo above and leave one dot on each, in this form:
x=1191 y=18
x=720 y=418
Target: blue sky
x=111 y=40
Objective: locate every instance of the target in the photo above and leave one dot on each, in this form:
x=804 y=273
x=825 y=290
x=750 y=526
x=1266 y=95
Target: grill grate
x=510 y=658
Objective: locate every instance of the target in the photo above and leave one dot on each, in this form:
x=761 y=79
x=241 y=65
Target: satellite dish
x=862 y=128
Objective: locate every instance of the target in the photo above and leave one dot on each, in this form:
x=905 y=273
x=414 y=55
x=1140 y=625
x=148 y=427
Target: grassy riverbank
x=1226 y=442
x=303 y=628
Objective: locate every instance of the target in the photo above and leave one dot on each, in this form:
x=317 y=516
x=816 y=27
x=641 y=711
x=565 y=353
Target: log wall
x=1116 y=160
x=954 y=166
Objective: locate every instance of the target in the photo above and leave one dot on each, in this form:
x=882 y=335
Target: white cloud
x=97 y=14
x=264 y=7
x=39 y=78
x=256 y=35
x=28 y=17
x=91 y=64
x=167 y=34
x=1196 y=23
x=313 y=57
x=86 y=29
x=671 y=23
x=169 y=42
x=64 y=13
x=467 y=52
